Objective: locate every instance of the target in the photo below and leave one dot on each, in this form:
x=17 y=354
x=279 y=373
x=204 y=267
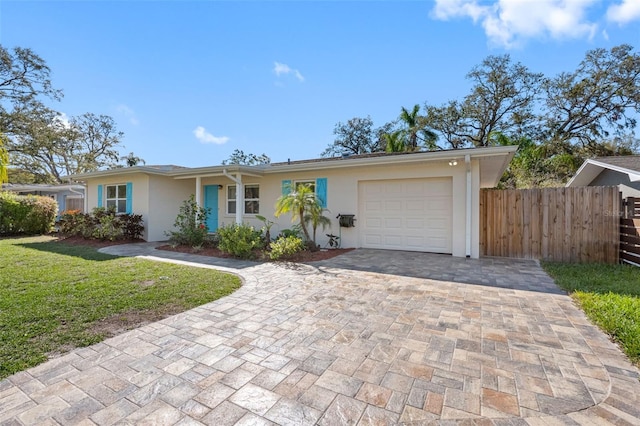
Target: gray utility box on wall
x=346 y=220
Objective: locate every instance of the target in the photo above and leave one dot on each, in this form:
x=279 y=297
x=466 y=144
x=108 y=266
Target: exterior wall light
x=453 y=162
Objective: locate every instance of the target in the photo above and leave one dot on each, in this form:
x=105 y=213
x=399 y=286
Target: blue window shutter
x=129 y=197
x=99 y=196
x=286 y=187
x=321 y=191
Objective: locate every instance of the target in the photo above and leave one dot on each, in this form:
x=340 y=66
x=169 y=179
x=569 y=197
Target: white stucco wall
x=140 y=196
x=164 y=205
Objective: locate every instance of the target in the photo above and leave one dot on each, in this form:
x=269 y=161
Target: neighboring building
x=622 y=171
x=421 y=201
x=68 y=197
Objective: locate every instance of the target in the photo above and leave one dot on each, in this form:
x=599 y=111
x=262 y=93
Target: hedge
x=26 y=214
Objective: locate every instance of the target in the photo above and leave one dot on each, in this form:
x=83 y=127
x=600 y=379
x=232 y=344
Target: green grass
x=54 y=297
x=609 y=295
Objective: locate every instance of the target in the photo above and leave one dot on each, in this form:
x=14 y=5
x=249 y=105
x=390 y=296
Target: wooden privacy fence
x=630 y=232
x=558 y=224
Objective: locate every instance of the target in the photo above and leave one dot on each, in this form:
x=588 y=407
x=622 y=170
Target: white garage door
x=406 y=214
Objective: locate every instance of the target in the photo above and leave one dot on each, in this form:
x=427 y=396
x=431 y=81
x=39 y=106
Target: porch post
x=239 y=198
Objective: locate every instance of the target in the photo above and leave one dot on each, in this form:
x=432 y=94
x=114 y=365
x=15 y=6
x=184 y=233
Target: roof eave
x=583 y=177
x=507 y=151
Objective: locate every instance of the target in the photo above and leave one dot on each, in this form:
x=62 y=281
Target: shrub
x=286 y=247
x=102 y=224
x=239 y=240
x=26 y=214
x=191 y=225
x=70 y=222
x=289 y=233
x=131 y=226
x=107 y=228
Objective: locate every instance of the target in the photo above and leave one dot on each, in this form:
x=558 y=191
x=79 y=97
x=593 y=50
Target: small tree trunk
x=302 y=225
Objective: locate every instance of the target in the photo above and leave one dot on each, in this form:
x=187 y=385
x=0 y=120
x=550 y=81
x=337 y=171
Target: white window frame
x=117 y=198
x=304 y=182
x=257 y=200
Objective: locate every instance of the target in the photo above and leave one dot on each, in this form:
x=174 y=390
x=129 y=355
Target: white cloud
x=284 y=69
x=205 y=137
x=509 y=22
x=625 y=12
x=63 y=119
x=128 y=113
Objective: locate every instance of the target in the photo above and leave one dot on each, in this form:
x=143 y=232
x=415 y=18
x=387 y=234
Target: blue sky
x=190 y=81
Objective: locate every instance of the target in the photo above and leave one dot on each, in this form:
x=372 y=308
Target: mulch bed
x=302 y=257
x=79 y=241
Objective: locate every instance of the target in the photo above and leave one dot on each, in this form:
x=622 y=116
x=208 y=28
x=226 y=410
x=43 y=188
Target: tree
x=132 y=160
x=502 y=99
x=24 y=77
x=354 y=137
x=447 y=121
x=299 y=201
x=596 y=101
x=410 y=121
x=52 y=147
x=315 y=217
x=395 y=141
x=239 y=157
x=4 y=161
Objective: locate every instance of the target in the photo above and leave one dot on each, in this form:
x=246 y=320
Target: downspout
x=85 y=201
x=467 y=161
x=198 y=191
x=239 y=194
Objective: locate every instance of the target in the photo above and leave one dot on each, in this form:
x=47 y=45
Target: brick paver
x=367 y=338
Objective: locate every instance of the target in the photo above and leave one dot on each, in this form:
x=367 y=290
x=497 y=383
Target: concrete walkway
x=368 y=338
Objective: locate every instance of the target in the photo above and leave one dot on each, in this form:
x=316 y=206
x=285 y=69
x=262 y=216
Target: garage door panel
x=393 y=240
x=415 y=243
x=406 y=214
x=373 y=206
x=373 y=222
x=416 y=206
x=417 y=223
x=393 y=223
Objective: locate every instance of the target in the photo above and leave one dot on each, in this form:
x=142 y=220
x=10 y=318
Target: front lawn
x=609 y=295
x=55 y=296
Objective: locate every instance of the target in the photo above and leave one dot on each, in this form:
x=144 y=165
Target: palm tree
x=315 y=217
x=395 y=142
x=410 y=119
x=298 y=201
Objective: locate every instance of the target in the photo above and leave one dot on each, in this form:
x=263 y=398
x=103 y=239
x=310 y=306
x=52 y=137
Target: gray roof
x=631 y=162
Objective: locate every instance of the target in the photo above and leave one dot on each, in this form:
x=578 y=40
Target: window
x=310 y=183
x=117 y=198
x=251 y=199
x=318 y=186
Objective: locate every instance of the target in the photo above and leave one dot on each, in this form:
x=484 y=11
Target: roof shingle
x=631 y=162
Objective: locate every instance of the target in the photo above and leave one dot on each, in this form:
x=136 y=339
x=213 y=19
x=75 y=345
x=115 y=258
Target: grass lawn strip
x=55 y=297
x=610 y=297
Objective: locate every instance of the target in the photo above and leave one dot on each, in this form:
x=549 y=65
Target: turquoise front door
x=211 y=203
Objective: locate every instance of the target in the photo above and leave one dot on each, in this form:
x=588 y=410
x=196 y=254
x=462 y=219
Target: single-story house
x=419 y=201
x=68 y=196
x=622 y=171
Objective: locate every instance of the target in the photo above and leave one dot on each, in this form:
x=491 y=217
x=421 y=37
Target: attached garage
x=406 y=214
x=417 y=201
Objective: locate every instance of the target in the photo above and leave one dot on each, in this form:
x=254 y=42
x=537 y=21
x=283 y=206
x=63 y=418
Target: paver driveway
x=369 y=337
